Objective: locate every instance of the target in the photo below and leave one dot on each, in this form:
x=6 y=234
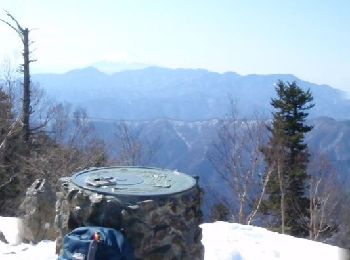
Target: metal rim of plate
x=133 y=181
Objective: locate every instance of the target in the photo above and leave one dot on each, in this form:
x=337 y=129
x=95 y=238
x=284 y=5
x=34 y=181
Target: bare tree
x=237 y=157
x=325 y=197
x=9 y=78
x=341 y=237
x=23 y=33
x=70 y=144
x=276 y=158
x=9 y=127
x=132 y=149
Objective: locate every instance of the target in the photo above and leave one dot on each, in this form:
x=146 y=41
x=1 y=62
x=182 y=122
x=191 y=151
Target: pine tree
x=287 y=155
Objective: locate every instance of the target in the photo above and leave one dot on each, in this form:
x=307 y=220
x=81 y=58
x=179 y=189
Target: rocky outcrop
x=158 y=227
x=37 y=213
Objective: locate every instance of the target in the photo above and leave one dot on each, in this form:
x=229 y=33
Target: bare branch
x=12 y=131
x=10 y=25
x=13 y=19
x=237 y=158
x=257 y=207
x=3 y=185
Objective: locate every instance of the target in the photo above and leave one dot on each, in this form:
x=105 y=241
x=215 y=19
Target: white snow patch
x=9 y=227
x=44 y=250
x=15 y=250
x=231 y=241
x=183 y=138
x=222 y=241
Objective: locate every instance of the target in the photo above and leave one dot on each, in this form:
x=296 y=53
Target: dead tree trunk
x=26 y=86
x=26 y=110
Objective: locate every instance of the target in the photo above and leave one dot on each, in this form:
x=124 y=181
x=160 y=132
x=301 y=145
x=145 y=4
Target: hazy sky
x=308 y=38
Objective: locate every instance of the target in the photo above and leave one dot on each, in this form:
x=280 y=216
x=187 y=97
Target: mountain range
x=181 y=94
x=179 y=108
x=185 y=145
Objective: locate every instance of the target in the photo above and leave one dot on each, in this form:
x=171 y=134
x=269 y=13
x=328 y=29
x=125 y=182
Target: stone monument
x=157 y=210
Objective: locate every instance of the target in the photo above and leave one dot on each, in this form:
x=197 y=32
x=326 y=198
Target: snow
x=44 y=250
x=231 y=241
x=8 y=226
x=222 y=241
x=15 y=250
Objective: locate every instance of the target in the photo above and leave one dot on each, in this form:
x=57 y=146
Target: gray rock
x=37 y=213
x=3 y=238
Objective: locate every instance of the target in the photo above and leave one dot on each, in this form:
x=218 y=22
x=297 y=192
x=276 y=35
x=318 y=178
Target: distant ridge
x=110 y=67
x=184 y=94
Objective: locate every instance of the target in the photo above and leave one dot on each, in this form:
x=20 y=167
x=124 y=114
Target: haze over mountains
x=185 y=146
x=182 y=94
x=110 y=67
x=179 y=108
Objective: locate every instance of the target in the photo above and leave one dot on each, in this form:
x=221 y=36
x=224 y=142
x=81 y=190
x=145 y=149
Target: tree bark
x=26 y=87
x=281 y=184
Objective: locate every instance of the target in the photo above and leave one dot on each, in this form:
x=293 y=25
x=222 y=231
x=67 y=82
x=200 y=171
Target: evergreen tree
x=287 y=155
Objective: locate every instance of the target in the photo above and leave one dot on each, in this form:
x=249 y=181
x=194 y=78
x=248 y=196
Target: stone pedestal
x=159 y=226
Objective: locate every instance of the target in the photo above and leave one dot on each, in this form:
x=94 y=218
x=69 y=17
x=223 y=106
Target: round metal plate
x=135 y=181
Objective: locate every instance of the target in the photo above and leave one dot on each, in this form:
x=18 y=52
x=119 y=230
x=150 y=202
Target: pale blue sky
x=308 y=38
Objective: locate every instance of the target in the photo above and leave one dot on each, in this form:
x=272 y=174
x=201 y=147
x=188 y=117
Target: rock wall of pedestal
x=37 y=213
x=158 y=228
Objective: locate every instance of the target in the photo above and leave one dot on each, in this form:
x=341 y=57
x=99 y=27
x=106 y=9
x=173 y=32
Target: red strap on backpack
x=93 y=246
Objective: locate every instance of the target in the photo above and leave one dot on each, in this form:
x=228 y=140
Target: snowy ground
x=230 y=241
x=222 y=241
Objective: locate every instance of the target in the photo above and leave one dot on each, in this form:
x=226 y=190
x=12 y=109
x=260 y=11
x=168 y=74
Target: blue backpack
x=96 y=243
